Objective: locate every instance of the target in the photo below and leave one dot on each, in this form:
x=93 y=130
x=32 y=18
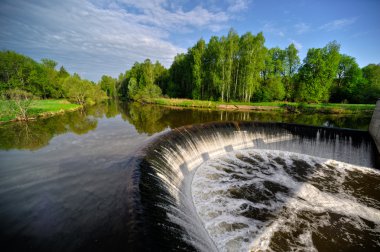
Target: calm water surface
x=62 y=179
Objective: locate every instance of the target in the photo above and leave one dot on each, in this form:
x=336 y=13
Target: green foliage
x=318 y=73
x=22 y=75
x=369 y=89
x=133 y=88
x=349 y=77
x=241 y=68
x=273 y=90
x=108 y=85
x=196 y=54
x=147 y=93
x=180 y=84
x=35 y=134
x=82 y=91
x=16 y=103
x=141 y=82
x=227 y=68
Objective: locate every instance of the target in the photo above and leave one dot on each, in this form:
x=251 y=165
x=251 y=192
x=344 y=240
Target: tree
x=252 y=62
x=369 y=90
x=19 y=102
x=132 y=88
x=62 y=73
x=212 y=66
x=161 y=75
x=108 y=85
x=318 y=72
x=231 y=49
x=372 y=73
x=272 y=86
x=82 y=91
x=15 y=70
x=349 y=75
x=271 y=90
x=140 y=80
x=196 y=55
x=291 y=65
x=75 y=89
x=49 y=83
x=180 y=84
x=291 y=60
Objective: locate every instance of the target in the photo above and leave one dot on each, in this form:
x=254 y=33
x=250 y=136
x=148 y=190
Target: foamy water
x=262 y=200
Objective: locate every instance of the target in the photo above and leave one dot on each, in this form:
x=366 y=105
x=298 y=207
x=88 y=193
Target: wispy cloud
x=101 y=36
x=161 y=14
x=269 y=27
x=301 y=28
x=338 y=24
x=238 y=5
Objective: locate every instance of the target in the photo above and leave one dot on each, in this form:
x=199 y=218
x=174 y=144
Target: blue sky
x=96 y=37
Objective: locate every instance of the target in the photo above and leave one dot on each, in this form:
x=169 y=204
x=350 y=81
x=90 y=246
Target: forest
x=228 y=69
x=21 y=76
x=240 y=68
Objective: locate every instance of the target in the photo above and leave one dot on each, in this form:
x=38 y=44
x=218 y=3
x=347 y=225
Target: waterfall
x=162 y=212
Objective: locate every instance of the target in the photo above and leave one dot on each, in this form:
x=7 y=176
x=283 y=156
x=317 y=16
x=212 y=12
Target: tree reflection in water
x=150 y=119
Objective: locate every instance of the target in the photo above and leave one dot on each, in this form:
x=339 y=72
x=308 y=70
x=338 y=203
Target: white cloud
x=155 y=13
x=271 y=28
x=238 y=5
x=101 y=36
x=301 y=28
x=338 y=24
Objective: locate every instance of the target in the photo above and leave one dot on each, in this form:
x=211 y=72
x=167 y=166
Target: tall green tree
x=213 y=68
x=291 y=65
x=318 y=73
x=180 y=77
x=108 y=85
x=196 y=55
x=349 y=75
x=50 y=84
x=252 y=62
x=82 y=91
x=231 y=49
x=369 y=90
x=139 y=83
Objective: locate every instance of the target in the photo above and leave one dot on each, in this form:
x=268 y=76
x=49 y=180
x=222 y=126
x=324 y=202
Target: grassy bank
x=38 y=108
x=291 y=107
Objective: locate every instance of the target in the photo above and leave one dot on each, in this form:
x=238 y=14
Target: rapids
x=246 y=185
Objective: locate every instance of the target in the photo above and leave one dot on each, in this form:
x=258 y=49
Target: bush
x=273 y=90
x=82 y=91
x=146 y=93
x=17 y=103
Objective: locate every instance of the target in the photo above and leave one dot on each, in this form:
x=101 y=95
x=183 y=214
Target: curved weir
x=162 y=213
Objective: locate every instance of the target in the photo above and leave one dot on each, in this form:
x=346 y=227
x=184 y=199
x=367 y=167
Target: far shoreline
x=285 y=107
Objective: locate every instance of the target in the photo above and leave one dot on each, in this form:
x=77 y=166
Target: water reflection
x=151 y=119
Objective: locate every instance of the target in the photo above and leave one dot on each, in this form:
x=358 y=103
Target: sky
x=97 y=37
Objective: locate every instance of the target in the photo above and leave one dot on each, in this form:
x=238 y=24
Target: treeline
x=227 y=68
x=142 y=82
x=19 y=73
x=241 y=68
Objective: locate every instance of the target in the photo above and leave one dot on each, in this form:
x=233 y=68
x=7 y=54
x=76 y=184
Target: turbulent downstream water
x=259 y=187
x=264 y=200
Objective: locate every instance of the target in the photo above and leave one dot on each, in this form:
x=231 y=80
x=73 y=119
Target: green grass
x=335 y=108
x=37 y=108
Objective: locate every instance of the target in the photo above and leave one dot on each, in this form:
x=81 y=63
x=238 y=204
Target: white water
x=300 y=193
x=217 y=222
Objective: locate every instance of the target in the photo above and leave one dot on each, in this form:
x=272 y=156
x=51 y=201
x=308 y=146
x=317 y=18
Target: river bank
x=290 y=107
x=37 y=109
